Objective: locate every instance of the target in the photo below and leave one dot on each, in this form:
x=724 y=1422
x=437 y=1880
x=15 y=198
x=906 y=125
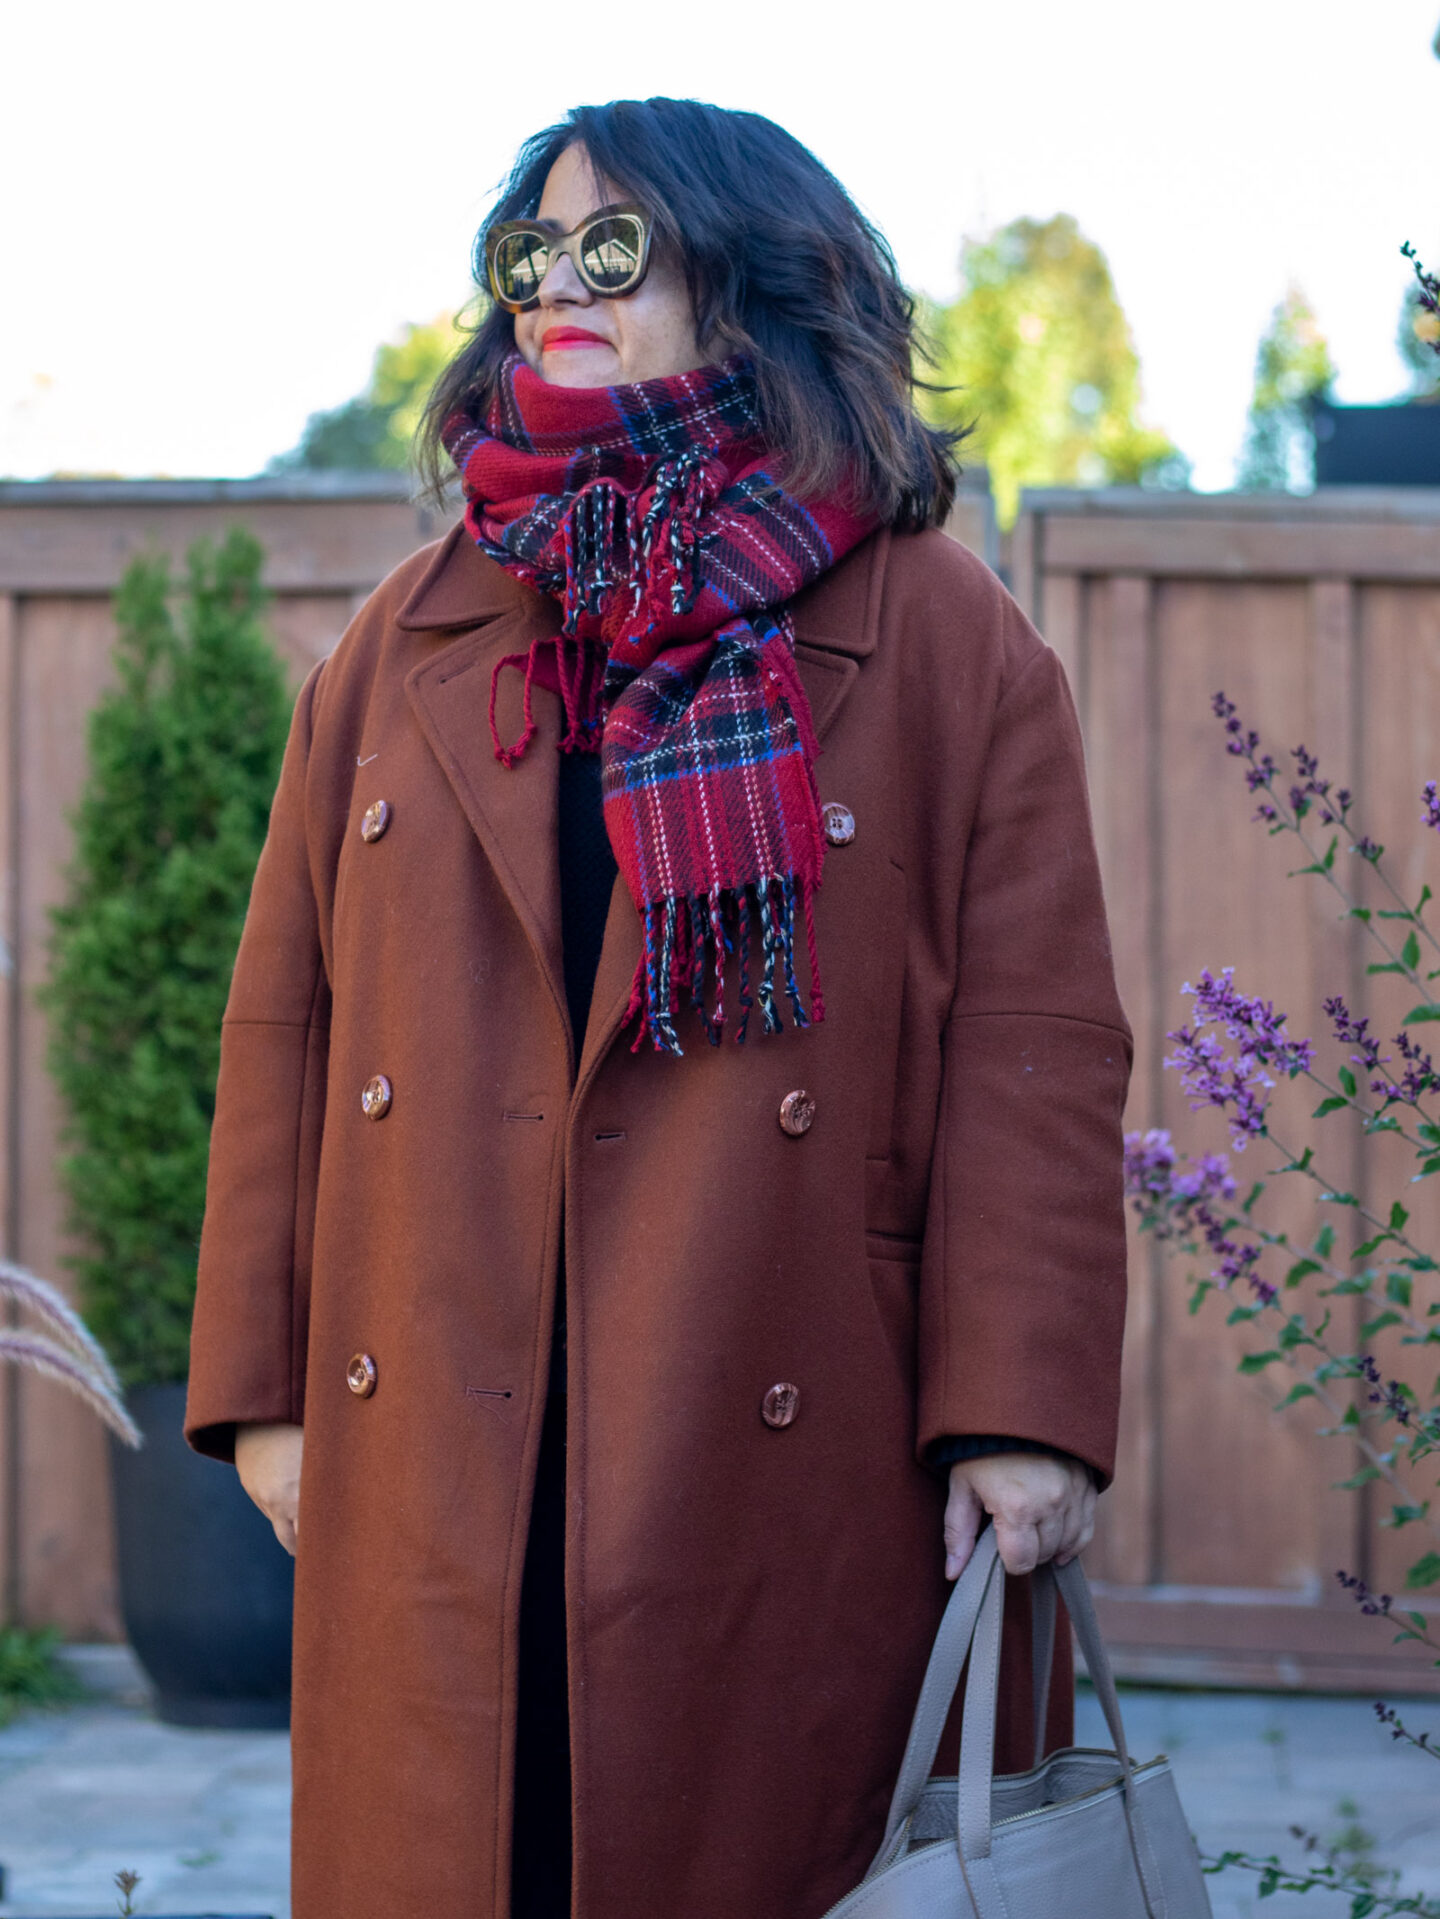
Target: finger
x=1018 y=1544
x=1085 y=1524
x=962 y=1526
x=1051 y=1534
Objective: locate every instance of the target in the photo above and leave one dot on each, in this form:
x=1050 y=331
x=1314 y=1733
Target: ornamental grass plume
x=65 y=1350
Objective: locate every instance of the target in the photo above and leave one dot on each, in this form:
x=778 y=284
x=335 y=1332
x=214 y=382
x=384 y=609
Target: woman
x=793 y=1153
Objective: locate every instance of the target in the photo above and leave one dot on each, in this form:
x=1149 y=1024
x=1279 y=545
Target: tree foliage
x=184 y=753
x=1292 y=368
x=376 y=428
x=1417 y=333
x=1039 y=358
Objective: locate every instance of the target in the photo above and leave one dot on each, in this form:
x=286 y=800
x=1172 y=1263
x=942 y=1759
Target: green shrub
x=30 y=1674
x=184 y=753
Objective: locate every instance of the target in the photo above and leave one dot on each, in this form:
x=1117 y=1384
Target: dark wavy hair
x=781 y=265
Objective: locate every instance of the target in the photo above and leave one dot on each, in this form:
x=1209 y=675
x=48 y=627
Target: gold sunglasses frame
x=569 y=244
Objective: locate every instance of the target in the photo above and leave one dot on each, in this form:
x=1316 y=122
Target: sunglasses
x=610 y=251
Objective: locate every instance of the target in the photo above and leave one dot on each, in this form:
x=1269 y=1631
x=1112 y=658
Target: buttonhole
x=603 y=1139
x=521 y=1119
x=487 y=1392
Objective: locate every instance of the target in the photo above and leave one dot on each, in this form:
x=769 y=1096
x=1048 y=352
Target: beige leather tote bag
x=1083 y=1835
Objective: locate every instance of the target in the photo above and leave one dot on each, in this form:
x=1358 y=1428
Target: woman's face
x=576 y=338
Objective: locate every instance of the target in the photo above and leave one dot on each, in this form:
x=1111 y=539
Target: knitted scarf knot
x=653 y=515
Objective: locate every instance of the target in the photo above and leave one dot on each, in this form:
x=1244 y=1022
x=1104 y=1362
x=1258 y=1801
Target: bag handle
x=971 y=1625
x=937 y=1690
x=977 y=1739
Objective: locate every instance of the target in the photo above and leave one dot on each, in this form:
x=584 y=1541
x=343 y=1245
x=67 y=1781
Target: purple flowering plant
x=1231 y=1056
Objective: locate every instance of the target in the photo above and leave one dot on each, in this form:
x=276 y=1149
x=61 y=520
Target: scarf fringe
x=684 y=939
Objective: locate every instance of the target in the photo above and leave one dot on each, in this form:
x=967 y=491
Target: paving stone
x=203 y=1817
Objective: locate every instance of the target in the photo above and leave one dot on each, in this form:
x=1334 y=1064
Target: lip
x=569 y=336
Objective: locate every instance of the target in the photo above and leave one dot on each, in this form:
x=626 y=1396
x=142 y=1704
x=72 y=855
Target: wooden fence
x=1320 y=617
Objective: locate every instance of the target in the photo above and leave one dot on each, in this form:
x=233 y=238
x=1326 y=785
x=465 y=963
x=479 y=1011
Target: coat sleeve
x=1022 y=1292
x=247 y=1342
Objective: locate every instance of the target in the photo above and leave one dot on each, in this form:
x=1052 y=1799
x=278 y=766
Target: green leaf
x=1363 y=1478
x=1360 y=913
x=1302 y=1269
x=1379 y=1323
x=1420 y=1015
x=1340 y=1199
x=1385 y=1124
x=1302 y=1389
x=1364 y=1252
x=1384 y=966
x=1347 y=1080
x=1241 y=1315
x=1398 y=1286
x=1428 y=1167
x=1329 y=859
x=1254 y=1193
x=1424 y=1572
x=1420 y=1263
x=1398 y=1217
x=1330 y=1105
x=1257 y=1362
x=1425 y=897
x=1410 y=952
x=1405 y=1515
x=1324 y=1242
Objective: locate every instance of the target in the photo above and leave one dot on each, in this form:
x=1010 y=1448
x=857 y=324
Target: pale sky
x=210 y=216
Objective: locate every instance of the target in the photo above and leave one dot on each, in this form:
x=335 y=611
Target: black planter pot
x=206 y=1588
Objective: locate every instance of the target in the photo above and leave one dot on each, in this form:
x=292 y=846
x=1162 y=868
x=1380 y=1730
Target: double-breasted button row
x=361 y=1375
x=374 y=820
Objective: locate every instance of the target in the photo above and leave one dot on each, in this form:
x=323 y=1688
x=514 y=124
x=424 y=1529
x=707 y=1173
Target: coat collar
x=480 y=615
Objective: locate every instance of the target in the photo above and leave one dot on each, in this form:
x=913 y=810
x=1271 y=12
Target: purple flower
x=1234 y=1082
x=1179 y=1204
x=1367 y=1601
x=1431 y=797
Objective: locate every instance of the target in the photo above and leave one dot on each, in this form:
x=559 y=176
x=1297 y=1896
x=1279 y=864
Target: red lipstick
x=569 y=336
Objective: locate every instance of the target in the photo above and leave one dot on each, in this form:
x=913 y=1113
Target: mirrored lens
x=520 y=263
x=611 y=251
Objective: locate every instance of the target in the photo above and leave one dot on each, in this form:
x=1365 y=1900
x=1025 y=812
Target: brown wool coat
x=750 y=1608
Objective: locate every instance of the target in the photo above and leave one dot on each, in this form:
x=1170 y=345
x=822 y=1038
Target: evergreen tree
x=1038 y=354
x=184 y=753
x=1292 y=368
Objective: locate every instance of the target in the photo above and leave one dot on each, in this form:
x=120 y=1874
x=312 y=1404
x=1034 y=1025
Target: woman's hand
x=267 y=1458
x=1043 y=1508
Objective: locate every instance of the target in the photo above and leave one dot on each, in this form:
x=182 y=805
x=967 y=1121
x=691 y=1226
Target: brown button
x=361 y=1374
x=839 y=823
x=377 y=818
x=797 y=1113
x=780 y=1404
x=375 y=1100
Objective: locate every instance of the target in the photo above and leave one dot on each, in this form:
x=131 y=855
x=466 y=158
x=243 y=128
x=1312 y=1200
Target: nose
x=562 y=285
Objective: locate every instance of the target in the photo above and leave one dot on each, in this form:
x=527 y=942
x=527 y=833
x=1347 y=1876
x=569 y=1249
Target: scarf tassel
x=684 y=939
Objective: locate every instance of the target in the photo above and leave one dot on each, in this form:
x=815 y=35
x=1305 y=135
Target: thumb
x=963 y=1514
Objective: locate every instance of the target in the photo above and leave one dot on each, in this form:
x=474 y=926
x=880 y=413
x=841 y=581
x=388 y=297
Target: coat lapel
x=512 y=809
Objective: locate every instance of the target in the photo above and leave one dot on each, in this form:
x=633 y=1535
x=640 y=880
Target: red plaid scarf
x=651 y=512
